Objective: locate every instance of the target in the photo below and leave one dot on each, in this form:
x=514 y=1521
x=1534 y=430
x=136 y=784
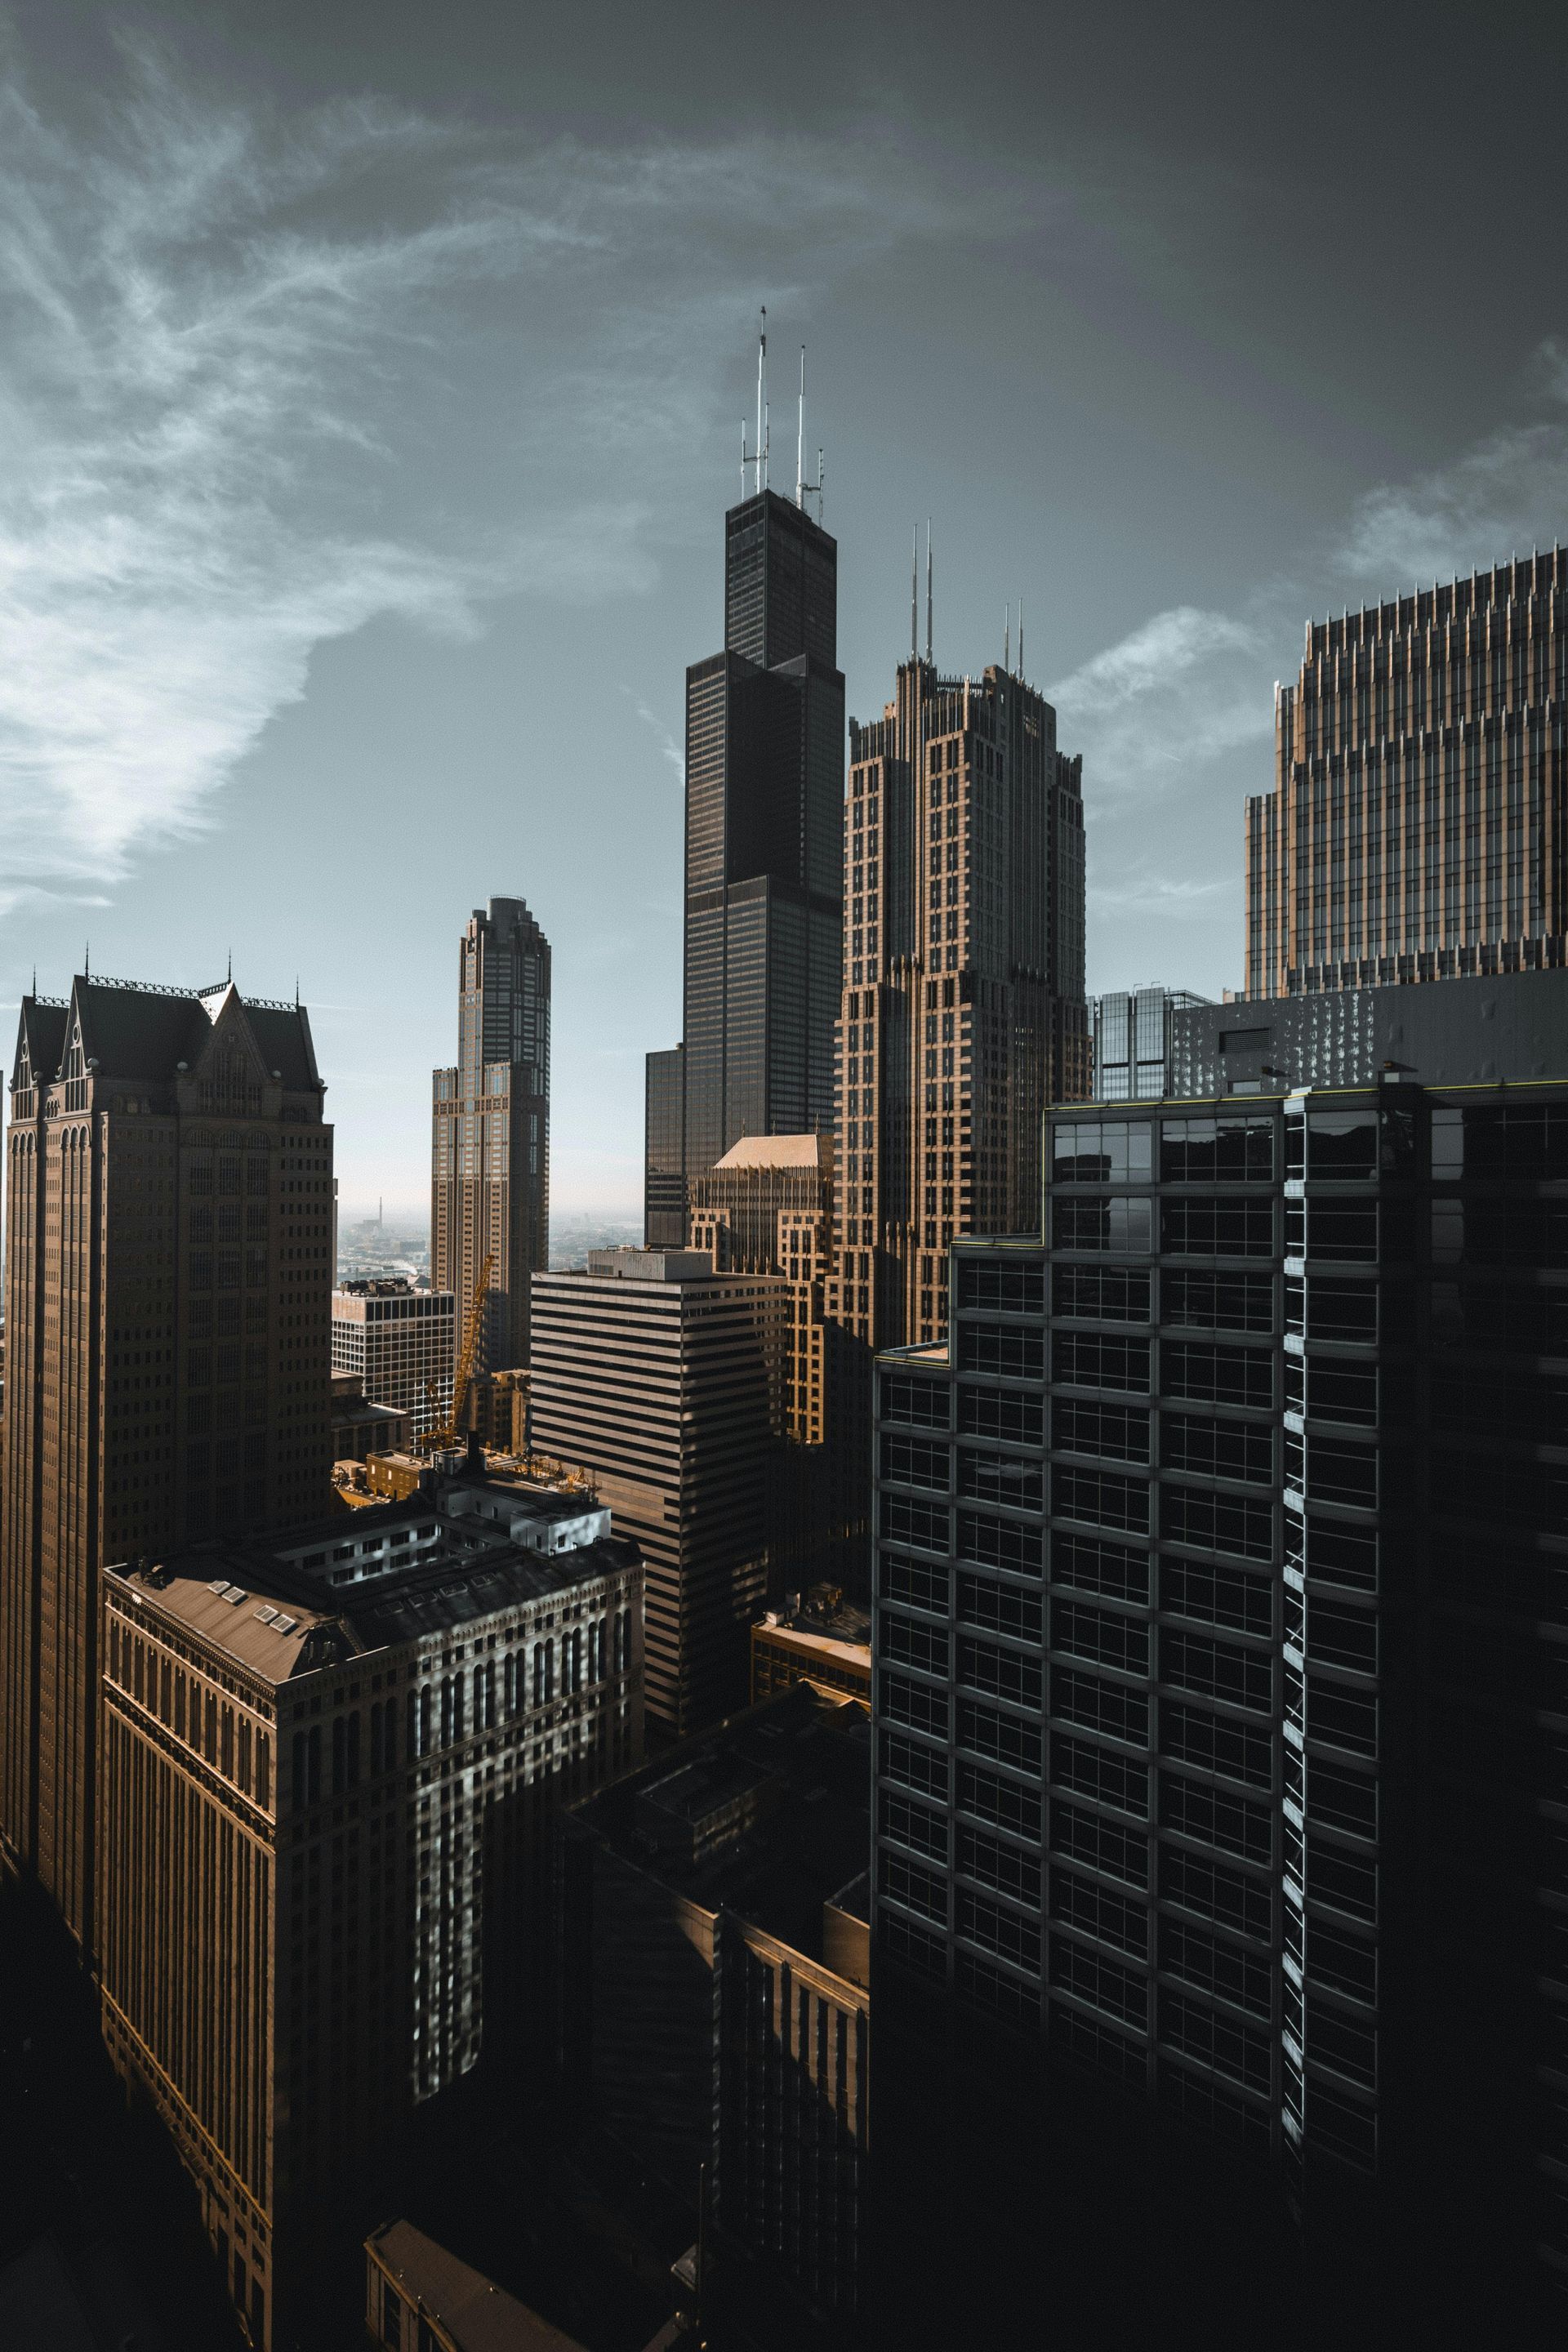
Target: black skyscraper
x=764 y=854
x=1222 y=1697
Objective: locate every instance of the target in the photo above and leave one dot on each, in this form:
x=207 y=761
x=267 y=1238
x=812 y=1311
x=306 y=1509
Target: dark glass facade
x=664 y=1175
x=1221 y=1656
x=765 y=834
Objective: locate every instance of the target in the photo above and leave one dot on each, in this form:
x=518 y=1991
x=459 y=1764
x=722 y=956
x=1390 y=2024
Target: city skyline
x=1171 y=472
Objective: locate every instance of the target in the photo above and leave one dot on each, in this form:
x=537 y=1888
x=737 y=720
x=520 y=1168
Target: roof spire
x=914 y=593
x=1020 y=639
x=928 y=591
x=1007 y=634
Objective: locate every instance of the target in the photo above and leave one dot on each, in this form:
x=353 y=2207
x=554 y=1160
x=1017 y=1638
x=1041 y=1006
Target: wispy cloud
x=228 y=336
x=669 y=749
x=1177 y=691
x=1501 y=498
x=1153 y=712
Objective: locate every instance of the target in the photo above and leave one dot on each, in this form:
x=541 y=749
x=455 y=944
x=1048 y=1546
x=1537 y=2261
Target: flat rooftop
x=769 y=1814
x=311 y=1597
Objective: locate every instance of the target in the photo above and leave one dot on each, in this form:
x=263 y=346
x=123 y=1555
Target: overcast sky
x=371 y=380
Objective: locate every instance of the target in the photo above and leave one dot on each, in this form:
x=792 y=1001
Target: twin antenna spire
x=756 y=458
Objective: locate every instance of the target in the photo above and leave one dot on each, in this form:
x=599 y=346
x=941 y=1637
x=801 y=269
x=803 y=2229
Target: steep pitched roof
x=284 y=1041
x=136 y=1034
x=41 y=1034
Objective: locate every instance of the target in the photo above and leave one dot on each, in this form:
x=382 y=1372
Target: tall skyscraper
x=661 y=1379
x=764 y=818
x=490 y=1184
x=963 y=1011
x=1221 y=1679
x=167 y=1283
x=1418 y=824
x=329 y=1765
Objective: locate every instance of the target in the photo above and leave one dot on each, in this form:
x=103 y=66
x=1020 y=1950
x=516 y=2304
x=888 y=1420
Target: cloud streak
x=226 y=336
x=1187 y=688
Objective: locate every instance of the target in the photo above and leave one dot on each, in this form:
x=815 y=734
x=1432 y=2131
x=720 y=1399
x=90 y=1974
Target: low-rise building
x=823 y=1640
x=717 y=2009
x=328 y=1766
x=419 y=2297
x=360 y=1428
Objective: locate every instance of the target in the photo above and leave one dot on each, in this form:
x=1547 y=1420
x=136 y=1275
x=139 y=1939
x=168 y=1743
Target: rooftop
x=460 y=1549
x=778 y=1151
x=768 y=1815
x=477 y=2314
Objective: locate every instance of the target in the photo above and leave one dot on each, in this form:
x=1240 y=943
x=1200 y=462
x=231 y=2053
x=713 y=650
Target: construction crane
x=447 y=1435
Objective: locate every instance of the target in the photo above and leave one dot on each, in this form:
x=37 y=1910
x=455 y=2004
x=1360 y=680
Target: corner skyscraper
x=963 y=1013
x=764 y=834
x=1418 y=825
x=489 y=1182
x=168 y=1281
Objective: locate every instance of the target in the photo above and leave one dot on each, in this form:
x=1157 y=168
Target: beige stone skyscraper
x=168 y=1278
x=963 y=1009
x=490 y=1186
x=1418 y=828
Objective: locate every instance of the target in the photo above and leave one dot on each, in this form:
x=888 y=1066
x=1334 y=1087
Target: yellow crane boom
x=437 y=1439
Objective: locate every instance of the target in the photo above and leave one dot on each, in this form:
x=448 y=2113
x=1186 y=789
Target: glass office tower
x=1222 y=1674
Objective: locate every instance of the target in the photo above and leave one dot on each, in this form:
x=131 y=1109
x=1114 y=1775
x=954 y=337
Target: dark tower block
x=764 y=831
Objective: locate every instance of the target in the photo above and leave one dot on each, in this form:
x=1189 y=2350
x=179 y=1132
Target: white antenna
x=800 y=437
x=758 y=458
x=928 y=589
x=914 y=593
x=1007 y=634
x=1020 y=636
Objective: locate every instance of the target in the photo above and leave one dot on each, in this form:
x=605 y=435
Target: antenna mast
x=803 y=488
x=1020 y=638
x=914 y=593
x=1007 y=634
x=928 y=591
x=758 y=458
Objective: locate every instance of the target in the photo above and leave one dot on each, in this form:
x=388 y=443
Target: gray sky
x=371 y=380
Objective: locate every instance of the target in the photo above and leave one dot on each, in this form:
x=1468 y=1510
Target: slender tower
x=489 y=1190
x=764 y=834
x=963 y=1011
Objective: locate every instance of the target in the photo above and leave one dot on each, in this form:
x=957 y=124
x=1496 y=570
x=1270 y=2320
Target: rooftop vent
x=267 y=1613
x=233 y=1595
x=283 y=1625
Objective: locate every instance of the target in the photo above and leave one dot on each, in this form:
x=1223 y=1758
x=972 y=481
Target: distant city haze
x=374 y=382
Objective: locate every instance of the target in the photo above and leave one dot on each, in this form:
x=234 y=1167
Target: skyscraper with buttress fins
x=963 y=1013
x=168 y=1219
x=489 y=1170
x=1418 y=828
x=764 y=828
